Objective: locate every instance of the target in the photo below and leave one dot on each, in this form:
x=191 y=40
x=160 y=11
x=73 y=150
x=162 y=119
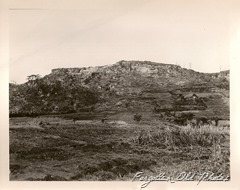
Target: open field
x=58 y=149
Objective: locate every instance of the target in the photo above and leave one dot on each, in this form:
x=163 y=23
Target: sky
x=52 y=34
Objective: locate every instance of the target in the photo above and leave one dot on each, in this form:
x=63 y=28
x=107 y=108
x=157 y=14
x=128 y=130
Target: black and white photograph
x=115 y=90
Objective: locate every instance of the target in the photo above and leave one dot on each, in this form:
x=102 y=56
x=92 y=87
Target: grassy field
x=58 y=149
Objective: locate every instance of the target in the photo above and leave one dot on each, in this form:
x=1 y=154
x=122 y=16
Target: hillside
x=124 y=86
x=110 y=122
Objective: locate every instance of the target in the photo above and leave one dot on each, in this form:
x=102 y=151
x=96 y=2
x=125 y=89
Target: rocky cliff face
x=128 y=85
x=141 y=67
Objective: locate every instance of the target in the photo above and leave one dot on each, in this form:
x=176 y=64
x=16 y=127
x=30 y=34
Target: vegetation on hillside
x=131 y=85
x=41 y=96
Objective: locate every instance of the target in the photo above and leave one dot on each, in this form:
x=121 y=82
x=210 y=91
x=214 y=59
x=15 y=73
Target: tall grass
x=207 y=143
x=210 y=129
x=206 y=135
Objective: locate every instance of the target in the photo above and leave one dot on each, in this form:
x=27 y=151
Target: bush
x=184 y=118
x=137 y=117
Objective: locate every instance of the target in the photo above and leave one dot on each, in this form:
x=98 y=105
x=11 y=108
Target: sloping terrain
x=126 y=85
x=109 y=122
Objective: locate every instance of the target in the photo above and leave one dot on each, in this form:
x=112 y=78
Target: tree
x=33 y=77
x=33 y=80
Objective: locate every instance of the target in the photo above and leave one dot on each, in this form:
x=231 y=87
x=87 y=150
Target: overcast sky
x=56 y=34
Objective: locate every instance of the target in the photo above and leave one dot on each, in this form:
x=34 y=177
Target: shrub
x=137 y=117
x=184 y=118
